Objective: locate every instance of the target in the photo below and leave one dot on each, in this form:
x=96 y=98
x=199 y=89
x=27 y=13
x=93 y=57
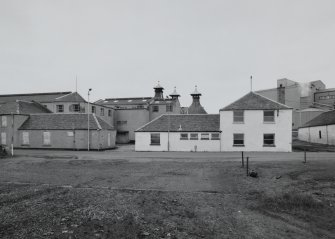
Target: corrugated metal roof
x=183 y=123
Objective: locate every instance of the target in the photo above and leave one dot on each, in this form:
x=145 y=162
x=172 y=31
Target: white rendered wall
x=312 y=134
x=142 y=143
x=254 y=128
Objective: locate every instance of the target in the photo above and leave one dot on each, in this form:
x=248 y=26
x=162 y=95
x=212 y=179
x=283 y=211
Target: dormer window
x=238 y=116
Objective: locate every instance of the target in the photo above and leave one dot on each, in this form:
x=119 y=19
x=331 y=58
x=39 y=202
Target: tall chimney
x=158 y=91
x=281 y=94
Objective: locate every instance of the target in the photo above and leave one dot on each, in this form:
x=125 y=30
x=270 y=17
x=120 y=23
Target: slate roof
x=254 y=101
x=71 y=97
x=63 y=122
x=187 y=123
x=196 y=108
x=125 y=101
x=23 y=107
x=326 y=118
x=39 y=97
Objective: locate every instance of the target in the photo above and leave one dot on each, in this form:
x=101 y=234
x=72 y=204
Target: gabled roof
x=39 y=97
x=23 y=107
x=63 y=122
x=254 y=101
x=71 y=97
x=326 y=118
x=183 y=123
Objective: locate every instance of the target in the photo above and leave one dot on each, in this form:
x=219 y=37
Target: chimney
x=281 y=94
x=174 y=95
x=158 y=91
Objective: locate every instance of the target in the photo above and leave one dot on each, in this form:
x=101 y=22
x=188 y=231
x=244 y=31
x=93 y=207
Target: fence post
x=242 y=159
x=305 y=156
x=247 y=166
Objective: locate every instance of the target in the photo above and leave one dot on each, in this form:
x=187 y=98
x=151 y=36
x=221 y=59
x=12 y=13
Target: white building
x=197 y=132
x=256 y=123
x=320 y=129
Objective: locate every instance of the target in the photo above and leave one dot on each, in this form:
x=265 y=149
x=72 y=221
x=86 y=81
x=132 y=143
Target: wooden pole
x=242 y=159
x=247 y=166
x=305 y=156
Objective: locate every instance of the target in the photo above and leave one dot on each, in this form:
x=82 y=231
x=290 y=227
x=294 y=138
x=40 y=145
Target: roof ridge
x=64 y=96
x=45 y=93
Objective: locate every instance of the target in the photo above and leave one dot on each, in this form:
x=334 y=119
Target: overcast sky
x=122 y=48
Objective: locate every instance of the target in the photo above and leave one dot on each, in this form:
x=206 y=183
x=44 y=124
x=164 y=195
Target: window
x=93 y=110
x=70 y=134
x=109 y=112
x=4 y=121
x=46 y=138
x=155 y=139
x=194 y=137
x=238 y=139
x=102 y=111
x=215 y=136
x=269 y=116
x=59 y=108
x=269 y=140
x=76 y=108
x=155 y=108
x=239 y=116
x=320 y=135
x=183 y=136
x=169 y=108
x=3 y=138
x=204 y=136
x=25 y=138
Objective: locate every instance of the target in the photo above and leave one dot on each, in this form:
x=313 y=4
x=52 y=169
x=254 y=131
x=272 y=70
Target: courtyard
x=126 y=194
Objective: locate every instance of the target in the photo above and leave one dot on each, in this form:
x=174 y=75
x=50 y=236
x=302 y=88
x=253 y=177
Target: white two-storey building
x=256 y=123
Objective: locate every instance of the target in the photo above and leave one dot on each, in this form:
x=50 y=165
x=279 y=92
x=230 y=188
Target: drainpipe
x=12 y=144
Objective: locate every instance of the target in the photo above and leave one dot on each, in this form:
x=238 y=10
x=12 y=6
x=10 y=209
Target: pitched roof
x=125 y=101
x=183 y=123
x=71 y=97
x=23 y=107
x=253 y=101
x=326 y=118
x=39 y=97
x=63 y=122
x=196 y=108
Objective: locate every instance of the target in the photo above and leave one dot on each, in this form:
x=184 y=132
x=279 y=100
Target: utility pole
x=251 y=83
x=88 y=119
x=168 y=132
x=12 y=143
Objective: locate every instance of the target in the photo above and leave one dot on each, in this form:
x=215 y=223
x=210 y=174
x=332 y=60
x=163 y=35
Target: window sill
x=183 y=139
x=238 y=145
x=269 y=122
x=204 y=139
x=238 y=122
x=269 y=145
x=155 y=144
x=194 y=139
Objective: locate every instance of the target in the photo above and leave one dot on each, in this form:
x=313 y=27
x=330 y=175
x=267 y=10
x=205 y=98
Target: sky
x=123 y=48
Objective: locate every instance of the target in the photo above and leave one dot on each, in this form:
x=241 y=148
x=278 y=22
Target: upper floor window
x=238 y=140
x=76 y=108
x=102 y=111
x=109 y=112
x=59 y=108
x=204 y=136
x=155 y=139
x=93 y=109
x=269 y=115
x=215 y=136
x=169 y=108
x=4 y=121
x=183 y=136
x=155 y=108
x=269 y=139
x=238 y=116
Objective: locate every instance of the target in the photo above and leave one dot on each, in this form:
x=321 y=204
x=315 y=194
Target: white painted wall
x=142 y=143
x=311 y=134
x=253 y=129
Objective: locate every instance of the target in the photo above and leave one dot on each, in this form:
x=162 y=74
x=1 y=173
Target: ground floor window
x=194 y=137
x=215 y=136
x=183 y=136
x=3 y=138
x=46 y=138
x=204 y=136
x=238 y=140
x=4 y=121
x=155 y=139
x=269 y=140
x=25 y=138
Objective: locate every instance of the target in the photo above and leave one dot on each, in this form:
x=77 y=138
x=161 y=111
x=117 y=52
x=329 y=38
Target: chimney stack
x=158 y=91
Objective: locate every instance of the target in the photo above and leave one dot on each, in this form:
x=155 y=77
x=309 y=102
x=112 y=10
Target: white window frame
x=234 y=139
x=46 y=138
x=215 y=138
x=239 y=119
x=3 y=138
x=194 y=136
x=25 y=138
x=267 y=144
x=204 y=136
x=268 y=119
x=183 y=136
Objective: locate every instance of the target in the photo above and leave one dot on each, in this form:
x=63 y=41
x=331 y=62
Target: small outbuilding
x=66 y=131
x=319 y=130
x=198 y=132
